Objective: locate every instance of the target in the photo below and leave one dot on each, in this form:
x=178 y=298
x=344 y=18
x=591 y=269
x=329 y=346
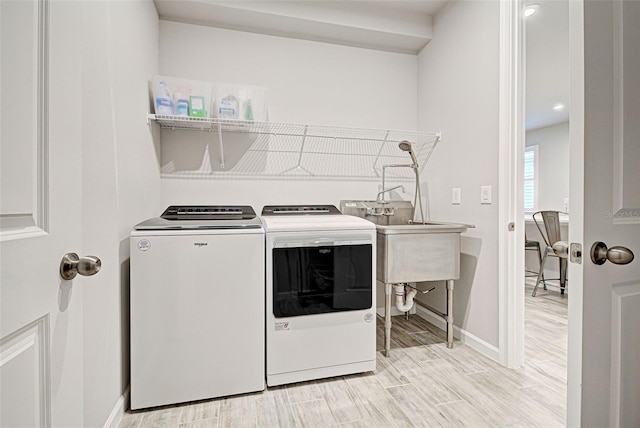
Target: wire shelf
x=285 y=150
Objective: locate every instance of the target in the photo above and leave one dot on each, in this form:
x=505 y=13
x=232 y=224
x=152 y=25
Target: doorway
x=546 y=185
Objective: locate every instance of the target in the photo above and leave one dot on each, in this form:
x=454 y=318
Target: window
x=530 y=178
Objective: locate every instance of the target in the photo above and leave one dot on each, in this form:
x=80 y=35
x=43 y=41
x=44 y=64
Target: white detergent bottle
x=182 y=104
x=164 y=101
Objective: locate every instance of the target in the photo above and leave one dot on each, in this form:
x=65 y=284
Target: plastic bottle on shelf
x=182 y=104
x=164 y=100
x=248 y=110
x=228 y=108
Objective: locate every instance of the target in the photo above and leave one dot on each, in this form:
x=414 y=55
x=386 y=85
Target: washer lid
x=209 y=212
x=275 y=210
x=307 y=223
x=195 y=217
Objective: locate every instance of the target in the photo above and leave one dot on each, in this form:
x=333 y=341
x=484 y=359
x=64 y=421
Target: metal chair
x=554 y=246
x=534 y=246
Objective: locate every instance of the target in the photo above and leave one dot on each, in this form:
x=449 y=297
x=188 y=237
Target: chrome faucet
x=380 y=197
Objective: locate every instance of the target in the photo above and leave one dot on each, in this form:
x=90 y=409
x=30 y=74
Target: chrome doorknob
x=71 y=265
x=617 y=255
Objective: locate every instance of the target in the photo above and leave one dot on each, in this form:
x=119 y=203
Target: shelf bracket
x=304 y=139
x=386 y=137
x=221 y=146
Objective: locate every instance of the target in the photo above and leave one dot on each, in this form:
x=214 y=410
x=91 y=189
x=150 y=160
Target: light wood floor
x=422 y=384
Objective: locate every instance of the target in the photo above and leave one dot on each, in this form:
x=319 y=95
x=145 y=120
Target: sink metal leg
x=448 y=317
x=449 y=313
x=387 y=319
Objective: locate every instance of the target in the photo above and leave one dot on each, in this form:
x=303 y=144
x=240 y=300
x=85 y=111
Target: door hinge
x=575 y=253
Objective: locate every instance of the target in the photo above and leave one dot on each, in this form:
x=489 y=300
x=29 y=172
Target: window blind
x=530 y=178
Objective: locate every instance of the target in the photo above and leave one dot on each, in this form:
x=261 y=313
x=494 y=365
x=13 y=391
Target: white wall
x=458 y=90
x=308 y=82
x=121 y=184
x=553 y=166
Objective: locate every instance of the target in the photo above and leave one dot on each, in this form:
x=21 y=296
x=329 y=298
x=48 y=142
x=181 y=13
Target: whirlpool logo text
x=200 y=244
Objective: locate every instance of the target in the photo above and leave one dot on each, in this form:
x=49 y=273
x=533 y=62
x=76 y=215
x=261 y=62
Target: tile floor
x=422 y=383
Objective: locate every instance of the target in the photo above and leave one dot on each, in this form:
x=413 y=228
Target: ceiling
x=395 y=26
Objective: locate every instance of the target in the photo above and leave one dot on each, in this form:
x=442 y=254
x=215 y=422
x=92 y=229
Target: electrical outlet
x=485 y=194
x=456 y=196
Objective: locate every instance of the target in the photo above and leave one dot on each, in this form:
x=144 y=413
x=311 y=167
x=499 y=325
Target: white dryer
x=197 y=305
x=320 y=275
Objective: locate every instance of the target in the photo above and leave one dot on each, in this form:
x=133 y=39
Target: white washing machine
x=320 y=275
x=197 y=305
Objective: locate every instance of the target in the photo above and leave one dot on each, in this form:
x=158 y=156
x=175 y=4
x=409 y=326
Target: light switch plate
x=485 y=194
x=456 y=196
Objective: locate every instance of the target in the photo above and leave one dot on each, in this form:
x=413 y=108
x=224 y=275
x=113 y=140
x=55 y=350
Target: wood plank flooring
x=421 y=384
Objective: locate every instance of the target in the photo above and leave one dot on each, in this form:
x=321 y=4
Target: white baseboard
x=464 y=336
x=118 y=410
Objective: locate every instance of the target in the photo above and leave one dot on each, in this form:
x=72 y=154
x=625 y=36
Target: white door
x=41 y=370
x=604 y=300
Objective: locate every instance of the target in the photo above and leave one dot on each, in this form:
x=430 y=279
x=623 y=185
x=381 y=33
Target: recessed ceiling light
x=558 y=107
x=531 y=9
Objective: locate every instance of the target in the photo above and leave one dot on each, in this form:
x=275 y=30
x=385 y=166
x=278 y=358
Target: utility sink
x=418 y=252
x=410 y=252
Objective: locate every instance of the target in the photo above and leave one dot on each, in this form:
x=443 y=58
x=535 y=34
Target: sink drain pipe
x=404 y=301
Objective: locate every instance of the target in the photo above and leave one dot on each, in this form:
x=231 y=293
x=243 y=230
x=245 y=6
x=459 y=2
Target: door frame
x=511 y=182
x=576 y=195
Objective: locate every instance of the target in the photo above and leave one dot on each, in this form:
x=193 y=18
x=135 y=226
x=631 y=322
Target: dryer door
x=321 y=279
